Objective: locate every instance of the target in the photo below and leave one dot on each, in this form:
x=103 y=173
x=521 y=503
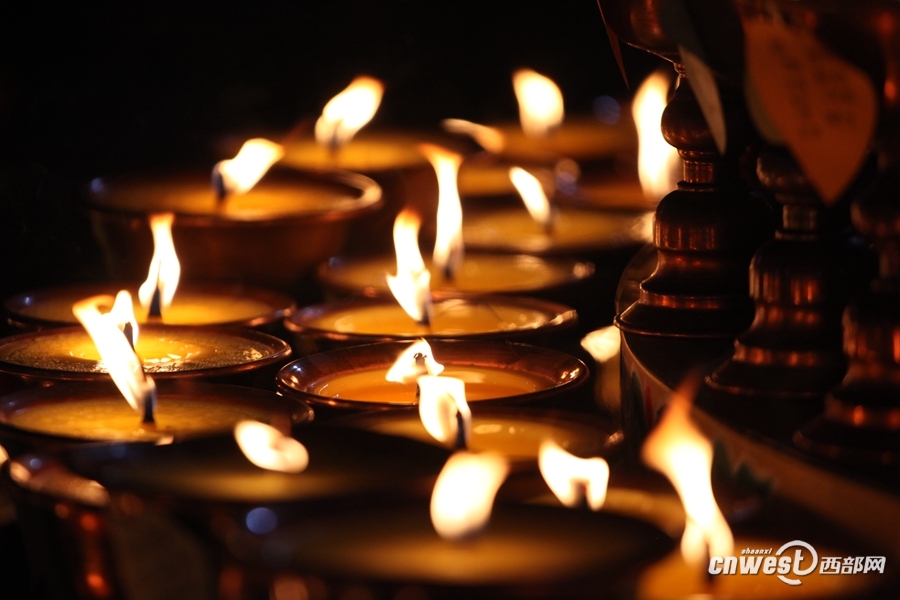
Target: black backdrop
x=87 y=90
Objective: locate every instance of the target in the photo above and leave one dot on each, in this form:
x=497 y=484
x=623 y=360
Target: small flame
x=659 y=165
x=464 y=493
x=488 y=138
x=238 y=175
x=680 y=451
x=444 y=410
x=415 y=361
x=540 y=102
x=269 y=449
x=349 y=111
x=411 y=285
x=571 y=478
x=165 y=270
x=532 y=193
x=603 y=344
x=122 y=314
x=118 y=356
x=448 y=244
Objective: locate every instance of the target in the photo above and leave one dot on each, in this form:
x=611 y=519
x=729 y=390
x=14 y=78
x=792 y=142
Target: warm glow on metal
x=443 y=409
x=677 y=449
x=411 y=285
x=464 y=493
x=239 y=174
x=540 y=102
x=448 y=243
x=4 y=455
x=269 y=449
x=532 y=193
x=165 y=270
x=659 y=166
x=349 y=111
x=415 y=361
x=573 y=479
x=488 y=138
x=115 y=351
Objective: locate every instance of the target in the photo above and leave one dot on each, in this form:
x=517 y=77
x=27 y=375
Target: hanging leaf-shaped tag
x=703 y=83
x=759 y=116
x=824 y=107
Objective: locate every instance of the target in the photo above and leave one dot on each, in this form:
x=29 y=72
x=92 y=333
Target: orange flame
x=444 y=410
x=659 y=165
x=165 y=270
x=116 y=352
x=253 y=160
x=411 y=285
x=572 y=478
x=488 y=138
x=415 y=361
x=269 y=449
x=448 y=243
x=532 y=193
x=349 y=111
x=464 y=493
x=677 y=449
x=540 y=102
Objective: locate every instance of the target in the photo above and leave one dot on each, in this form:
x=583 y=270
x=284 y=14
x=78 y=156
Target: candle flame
x=122 y=314
x=415 y=361
x=165 y=270
x=532 y=193
x=269 y=449
x=443 y=409
x=659 y=165
x=411 y=285
x=488 y=138
x=116 y=352
x=603 y=344
x=540 y=102
x=448 y=243
x=677 y=449
x=238 y=175
x=573 y=479
x=464 y=493
x=349 y=111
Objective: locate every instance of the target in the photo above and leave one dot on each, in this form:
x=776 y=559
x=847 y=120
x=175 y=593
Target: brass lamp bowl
x=194 y=305
x=271 y=236
x=32 y=421
x=504 y=373
x=227 y=355
x=367 y=320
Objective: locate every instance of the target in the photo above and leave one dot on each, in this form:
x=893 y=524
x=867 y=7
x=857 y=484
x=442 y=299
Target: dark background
x=93 y=90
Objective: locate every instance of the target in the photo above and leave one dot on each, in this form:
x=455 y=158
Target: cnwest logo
x=801 y=562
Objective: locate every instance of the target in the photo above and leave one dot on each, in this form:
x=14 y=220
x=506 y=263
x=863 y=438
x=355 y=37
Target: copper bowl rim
x=401 y=138
x=607 y=243
x=449 y=352
x=300 y=412
x=564 y=318
x=369 y=198
x=281 y=305
x=280 y=351
x=577 y=271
